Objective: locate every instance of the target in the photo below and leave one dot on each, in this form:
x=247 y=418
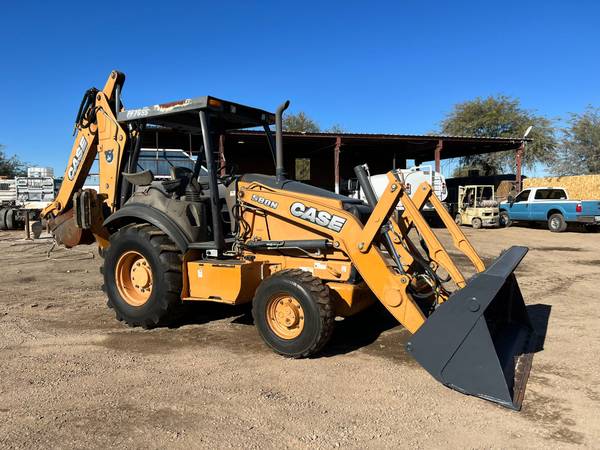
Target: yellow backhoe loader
x=302 y=255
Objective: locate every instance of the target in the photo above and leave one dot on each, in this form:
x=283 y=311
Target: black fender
x=133 y=213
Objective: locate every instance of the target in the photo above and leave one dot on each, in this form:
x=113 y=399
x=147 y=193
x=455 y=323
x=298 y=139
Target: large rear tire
x=142 y=276
x=293 y=313
x=11 y=222
x=477 y=223
x=557 y=223
x=3 y=213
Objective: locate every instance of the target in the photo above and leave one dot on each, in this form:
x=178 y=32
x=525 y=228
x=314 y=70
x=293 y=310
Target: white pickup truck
x=550 y=205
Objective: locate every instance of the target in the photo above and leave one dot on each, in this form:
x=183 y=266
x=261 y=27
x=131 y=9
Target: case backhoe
x=302 y=255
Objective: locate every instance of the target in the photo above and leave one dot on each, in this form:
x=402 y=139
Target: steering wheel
x=178 y=172
x=230 y=170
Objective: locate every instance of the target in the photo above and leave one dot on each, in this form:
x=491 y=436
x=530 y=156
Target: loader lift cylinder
x=367 y=188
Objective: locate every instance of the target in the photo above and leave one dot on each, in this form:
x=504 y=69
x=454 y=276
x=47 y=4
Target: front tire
x=504 y=219
x=293 y=313
x=142 y=276
x=458 y=220
x=557 y=223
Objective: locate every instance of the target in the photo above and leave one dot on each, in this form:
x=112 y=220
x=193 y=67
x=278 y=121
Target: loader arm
x=358 y=242
x=97 y=134
x=412 y=217
x=353 y=239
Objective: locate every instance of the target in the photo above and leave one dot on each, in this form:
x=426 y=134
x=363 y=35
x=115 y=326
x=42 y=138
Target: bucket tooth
x=480 y=341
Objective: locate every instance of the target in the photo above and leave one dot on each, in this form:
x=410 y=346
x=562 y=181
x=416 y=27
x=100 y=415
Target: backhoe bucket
x=480 y=341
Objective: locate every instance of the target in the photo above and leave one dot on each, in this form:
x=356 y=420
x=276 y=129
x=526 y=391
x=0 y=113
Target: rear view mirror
x=510 y=199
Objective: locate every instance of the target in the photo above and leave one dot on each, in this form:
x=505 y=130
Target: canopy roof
x=182 y=115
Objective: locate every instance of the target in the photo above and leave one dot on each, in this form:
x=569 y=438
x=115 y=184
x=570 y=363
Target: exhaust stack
x=279 y=169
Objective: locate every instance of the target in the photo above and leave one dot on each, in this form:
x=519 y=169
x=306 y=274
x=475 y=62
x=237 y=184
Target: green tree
x=579 y=152
x=501 y=116
x=335 y=128
x=300 y=123
x=464 y=171
x=11 y=167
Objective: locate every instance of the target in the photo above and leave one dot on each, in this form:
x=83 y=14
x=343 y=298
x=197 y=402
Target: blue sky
x=395 y=66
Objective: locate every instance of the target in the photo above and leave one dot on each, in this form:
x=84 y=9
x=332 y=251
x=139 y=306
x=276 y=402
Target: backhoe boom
x=97 y=134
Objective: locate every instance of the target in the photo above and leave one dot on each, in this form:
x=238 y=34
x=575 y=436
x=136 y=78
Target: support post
x=519 y=163
x=27 y=227
x=215 y=207
x=336 y=163
x=437 y=155
x=223 y=170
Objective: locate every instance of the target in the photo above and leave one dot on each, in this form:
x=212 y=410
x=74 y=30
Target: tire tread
x=320 y=293
x=169 y=306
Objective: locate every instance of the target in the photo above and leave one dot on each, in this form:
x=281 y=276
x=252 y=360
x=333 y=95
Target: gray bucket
x=480 y=341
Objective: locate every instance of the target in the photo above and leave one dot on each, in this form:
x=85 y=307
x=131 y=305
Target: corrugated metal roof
x=397 y=136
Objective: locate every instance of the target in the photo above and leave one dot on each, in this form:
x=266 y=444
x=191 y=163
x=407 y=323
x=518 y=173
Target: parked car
x=550 y=205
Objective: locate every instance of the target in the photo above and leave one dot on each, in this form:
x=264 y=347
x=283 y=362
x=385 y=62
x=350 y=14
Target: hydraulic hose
x=85 y=109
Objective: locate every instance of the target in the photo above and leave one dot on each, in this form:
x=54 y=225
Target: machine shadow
x=203 y=312
x=350 y=334
x=539 y=314
x=359 y=331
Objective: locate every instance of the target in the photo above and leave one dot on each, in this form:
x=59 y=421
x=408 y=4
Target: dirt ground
x=72 y=376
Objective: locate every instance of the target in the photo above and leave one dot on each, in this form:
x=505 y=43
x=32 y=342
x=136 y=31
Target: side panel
x=225 y=282
x=590 y=208
x=8 y=191
x=349 y=299
x=518 y=211
x=539 y=210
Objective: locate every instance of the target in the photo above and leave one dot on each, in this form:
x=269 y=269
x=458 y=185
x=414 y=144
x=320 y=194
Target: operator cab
x=197 y=194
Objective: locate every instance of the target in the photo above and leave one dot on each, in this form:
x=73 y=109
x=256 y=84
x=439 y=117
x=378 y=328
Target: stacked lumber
x=504 y=188
x=581 y=187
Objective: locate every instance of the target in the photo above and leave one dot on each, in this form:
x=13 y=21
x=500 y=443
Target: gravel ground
x=72 y=376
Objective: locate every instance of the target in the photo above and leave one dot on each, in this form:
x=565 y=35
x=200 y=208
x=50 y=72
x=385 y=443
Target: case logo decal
x=321 y=218
x=81 y=148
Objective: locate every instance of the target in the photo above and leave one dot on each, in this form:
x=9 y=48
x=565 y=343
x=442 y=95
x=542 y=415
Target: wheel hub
x=133 y=275
x=285 y=317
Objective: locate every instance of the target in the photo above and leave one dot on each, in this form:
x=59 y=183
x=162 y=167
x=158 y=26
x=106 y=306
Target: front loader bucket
x=480 y=341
